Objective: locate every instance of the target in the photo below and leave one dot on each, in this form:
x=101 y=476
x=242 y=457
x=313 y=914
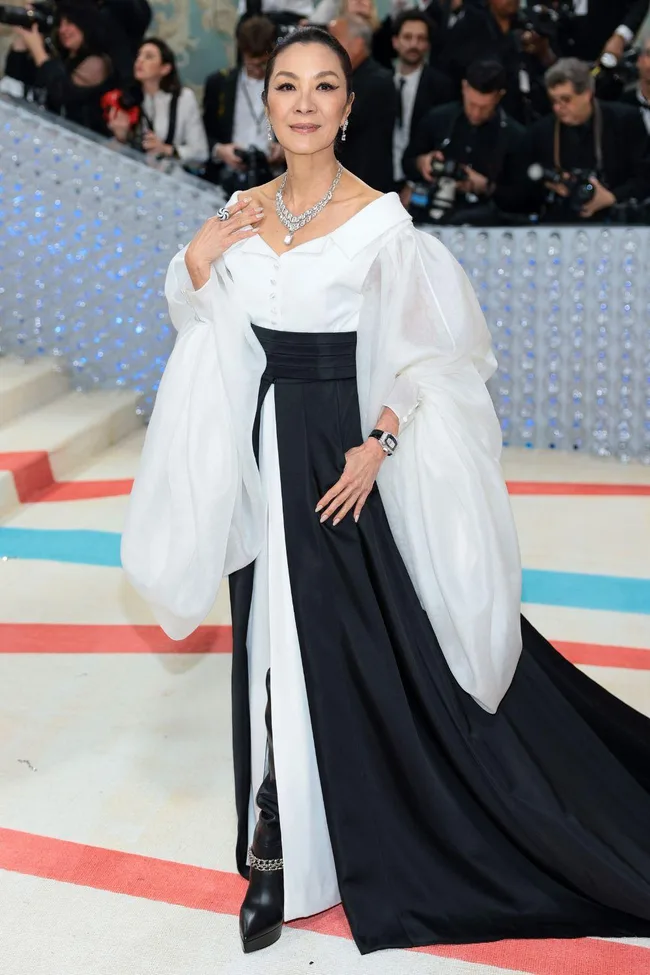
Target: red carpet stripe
x=91 y=638
x=35 y=483
x=214 y=890
x=567 y=488
x=120 y=638
x=31 y=471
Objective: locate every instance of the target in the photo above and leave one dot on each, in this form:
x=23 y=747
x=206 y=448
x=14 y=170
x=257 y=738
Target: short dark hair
x=171 y=82
x=407 y=15
x=256 y=36
x=310 y=35
x=486 y=76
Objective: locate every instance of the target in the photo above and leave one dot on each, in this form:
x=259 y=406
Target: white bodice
x=316 y=286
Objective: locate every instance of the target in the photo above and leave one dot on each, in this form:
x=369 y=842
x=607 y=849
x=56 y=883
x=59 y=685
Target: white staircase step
x=73 y=428
x=25 y=386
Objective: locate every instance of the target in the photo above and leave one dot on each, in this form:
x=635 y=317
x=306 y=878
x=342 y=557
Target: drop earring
x=270 y=130
x=344 y=129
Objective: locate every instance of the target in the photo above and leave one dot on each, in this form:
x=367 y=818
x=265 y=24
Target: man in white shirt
x=419 y=86
x=233 y=112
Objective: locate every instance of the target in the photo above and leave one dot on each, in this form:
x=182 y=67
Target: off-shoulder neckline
x=338 y=234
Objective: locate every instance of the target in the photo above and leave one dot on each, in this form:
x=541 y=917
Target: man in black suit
x=492 y=33
x=606 y=140
x=368 y=148
x=233 y=113
x=603 y=25
x=477 y=134
x=419 y=85
x=639 y=96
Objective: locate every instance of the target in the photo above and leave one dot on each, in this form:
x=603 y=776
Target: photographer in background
x=166 y=122
x=639 y=96
x=474 y=145
x=69 y=75
x=233 y=112
x=588 y=156
x=500 y=31
x=600 y=26
x=420 y=86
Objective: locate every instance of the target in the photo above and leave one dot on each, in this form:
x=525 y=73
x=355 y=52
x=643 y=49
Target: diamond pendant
x=287 y=240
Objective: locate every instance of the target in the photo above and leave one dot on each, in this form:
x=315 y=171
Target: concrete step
x=26 y=386
x=50 y=443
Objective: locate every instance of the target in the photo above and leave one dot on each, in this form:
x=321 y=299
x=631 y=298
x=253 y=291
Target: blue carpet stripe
x=574 y=589
x=79 y=546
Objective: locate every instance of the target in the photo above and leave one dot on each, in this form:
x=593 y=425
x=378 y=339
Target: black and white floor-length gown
x=443 y=783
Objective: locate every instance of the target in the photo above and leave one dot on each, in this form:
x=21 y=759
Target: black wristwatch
x=386 y=440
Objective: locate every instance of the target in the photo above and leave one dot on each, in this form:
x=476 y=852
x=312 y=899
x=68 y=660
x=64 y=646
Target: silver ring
x=223 y=214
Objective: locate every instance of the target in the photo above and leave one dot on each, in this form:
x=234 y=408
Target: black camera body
x=447 y=167
x=544 y=19
x=255 y=172
x=434 y=202
x=579 y=183
x=42 y=13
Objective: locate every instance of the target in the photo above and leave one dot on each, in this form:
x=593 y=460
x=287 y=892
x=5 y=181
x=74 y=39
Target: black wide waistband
x=308 y=356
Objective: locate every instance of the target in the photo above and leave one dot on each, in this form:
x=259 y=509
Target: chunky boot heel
x=262 y=912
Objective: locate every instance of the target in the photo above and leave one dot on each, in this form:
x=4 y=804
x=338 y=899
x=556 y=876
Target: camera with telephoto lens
x=434 y=202
x=579 y=183
x=42 y=13
x=255 y=171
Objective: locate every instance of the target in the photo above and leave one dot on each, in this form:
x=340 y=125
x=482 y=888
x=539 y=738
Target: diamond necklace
x=295 y=222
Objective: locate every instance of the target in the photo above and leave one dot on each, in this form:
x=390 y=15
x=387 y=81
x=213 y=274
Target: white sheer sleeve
x=196 y=510
x=443 y=490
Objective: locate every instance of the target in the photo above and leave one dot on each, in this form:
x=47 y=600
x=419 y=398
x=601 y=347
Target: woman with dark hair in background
x=407 y=755
x=169 y=121
x=71 y=80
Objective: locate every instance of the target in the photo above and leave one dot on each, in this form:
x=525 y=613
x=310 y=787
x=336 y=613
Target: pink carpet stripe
x=71 y=638
x=213 y=890
x=120 y=638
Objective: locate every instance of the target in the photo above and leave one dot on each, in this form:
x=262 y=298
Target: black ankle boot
x=262 y=912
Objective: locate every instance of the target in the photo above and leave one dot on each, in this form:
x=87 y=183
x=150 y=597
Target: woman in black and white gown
x=395 y=749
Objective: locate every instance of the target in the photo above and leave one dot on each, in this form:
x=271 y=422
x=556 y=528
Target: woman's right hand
x=119 y=124
x=216 y=236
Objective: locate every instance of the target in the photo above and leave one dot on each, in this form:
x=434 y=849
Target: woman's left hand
x=355 y=483
x=33 y=40
x=151 y=143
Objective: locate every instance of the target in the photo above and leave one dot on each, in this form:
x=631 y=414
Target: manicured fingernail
x=356 y=517
x=318 y=508
x=247 y=199
x=259 y=209
x=322 y=518
x=336 y=521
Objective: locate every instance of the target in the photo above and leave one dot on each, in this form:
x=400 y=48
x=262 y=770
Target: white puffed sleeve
x=443 y=489
x=196 y=512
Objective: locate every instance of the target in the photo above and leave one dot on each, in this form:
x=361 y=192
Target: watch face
x=390 y=441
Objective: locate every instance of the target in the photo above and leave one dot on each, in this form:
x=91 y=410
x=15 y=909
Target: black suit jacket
x=434 y=89
x=368 y=149
x=219 y=105
x=586 y=36
x=219 y=113
x=476 y=36
x=492 y=149
x=625 y=153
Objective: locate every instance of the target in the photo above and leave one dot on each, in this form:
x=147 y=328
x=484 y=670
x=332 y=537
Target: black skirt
x=447 y=824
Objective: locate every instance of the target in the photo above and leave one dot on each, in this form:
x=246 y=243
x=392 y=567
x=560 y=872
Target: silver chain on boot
x=265 y=865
